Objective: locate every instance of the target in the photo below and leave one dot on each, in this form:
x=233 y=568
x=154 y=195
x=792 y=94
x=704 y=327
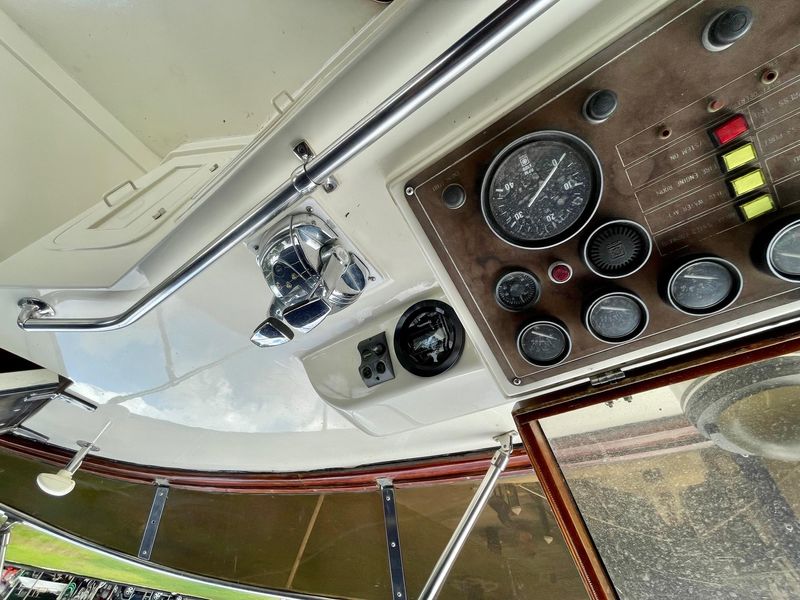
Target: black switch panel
x=376 y=364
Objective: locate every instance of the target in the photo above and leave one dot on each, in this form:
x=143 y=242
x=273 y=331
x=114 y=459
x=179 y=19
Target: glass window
x=332 y=544
x=514 y=552
x=105 y=511
x=693 y=490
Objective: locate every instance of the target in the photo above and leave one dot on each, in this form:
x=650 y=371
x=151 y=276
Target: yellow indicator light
x=747 y=183
x=756 y=207
x=741 y=156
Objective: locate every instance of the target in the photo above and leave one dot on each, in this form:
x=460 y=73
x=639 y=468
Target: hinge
x=607 y=377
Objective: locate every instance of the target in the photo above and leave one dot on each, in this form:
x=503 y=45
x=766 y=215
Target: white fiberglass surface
x=185 y=388
x=196 y=68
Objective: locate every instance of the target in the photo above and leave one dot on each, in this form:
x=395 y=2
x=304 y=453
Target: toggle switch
x=756 y=207
x=726 y=28
x=729 y=130
x=748 y=182
x=599 y=106
x=739 y=157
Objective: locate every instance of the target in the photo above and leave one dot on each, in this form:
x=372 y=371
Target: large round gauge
x=428 y=338
x=542 y=189
x=544 y=343
x=616 y=317
x=783 y=252
x=704 y=285
x=517 y=290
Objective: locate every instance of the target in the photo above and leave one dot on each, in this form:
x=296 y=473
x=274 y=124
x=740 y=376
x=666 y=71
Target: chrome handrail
x=502 y=24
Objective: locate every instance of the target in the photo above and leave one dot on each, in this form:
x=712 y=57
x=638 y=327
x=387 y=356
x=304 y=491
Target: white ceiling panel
x=178 y=70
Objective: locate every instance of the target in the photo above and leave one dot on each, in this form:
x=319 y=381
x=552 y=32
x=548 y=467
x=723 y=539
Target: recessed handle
x=117 y=188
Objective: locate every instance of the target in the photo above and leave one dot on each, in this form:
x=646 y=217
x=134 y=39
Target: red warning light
x=729 y=130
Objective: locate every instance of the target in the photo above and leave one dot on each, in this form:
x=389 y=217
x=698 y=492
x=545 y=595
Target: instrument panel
x=650 y=193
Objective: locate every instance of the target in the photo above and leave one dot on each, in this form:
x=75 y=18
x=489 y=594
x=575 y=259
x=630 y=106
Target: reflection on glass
x=693 y=490
x=328 y=544
x=515 y=551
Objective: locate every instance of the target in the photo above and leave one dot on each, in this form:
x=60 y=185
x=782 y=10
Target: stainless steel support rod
x=450 y=554
x=5 y=537
x=484 y=38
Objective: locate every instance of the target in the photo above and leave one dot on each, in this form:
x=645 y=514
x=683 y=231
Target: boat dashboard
x=644 y=203
x=614 y=186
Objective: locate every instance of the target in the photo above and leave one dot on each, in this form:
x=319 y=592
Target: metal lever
x=333 y=269
x=271 y=332
x=305 y=316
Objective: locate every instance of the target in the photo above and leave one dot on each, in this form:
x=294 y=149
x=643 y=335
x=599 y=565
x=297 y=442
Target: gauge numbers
x=783 y=253
x=704 y=285
x=544 y=343
x=616 y=317
x=517 y=290
x=541 y=190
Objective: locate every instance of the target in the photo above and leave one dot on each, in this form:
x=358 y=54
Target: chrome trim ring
x=738 y=283
x=645 y=235
x=645 y=321
x=561 y=357
x=771 y=246
x=584 y=219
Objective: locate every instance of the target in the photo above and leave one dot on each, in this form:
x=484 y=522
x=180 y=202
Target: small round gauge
x=541 y=190
x=517 y=290
x=704 y=285
x=616 y=317
x=617 y=249
x=783 y=253
x=544 y=343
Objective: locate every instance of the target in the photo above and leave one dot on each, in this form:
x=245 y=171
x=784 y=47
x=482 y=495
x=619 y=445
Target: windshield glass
x=693 y=490
x=330 y=544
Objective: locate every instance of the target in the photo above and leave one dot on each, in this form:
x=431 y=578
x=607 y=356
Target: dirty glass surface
x=693 y=491
x=514 y=552
x=109 y=512
x=327 y=544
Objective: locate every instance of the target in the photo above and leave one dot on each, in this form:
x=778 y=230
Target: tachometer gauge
x=783 y=253
x=544 y=343
x=704 y=285
x=616 y=317
x=542 y=189
x=517 y=290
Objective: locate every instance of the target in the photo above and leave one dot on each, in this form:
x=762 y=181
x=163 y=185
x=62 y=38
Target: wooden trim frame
x=427 y=471
x=576 y=534
x=765 y=345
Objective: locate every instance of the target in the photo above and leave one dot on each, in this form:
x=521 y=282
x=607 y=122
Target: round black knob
x=727 y=27
x=599 y=106
x=454 y=196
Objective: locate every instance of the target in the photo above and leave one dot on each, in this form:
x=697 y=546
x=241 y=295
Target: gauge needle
x=544 y=335
x=546 y=180
x=614 y=308
x=704 y=277
x=789 y=255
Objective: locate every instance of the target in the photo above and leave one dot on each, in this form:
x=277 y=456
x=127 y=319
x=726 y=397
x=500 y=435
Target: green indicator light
x=756 y=207
x=739 y=157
